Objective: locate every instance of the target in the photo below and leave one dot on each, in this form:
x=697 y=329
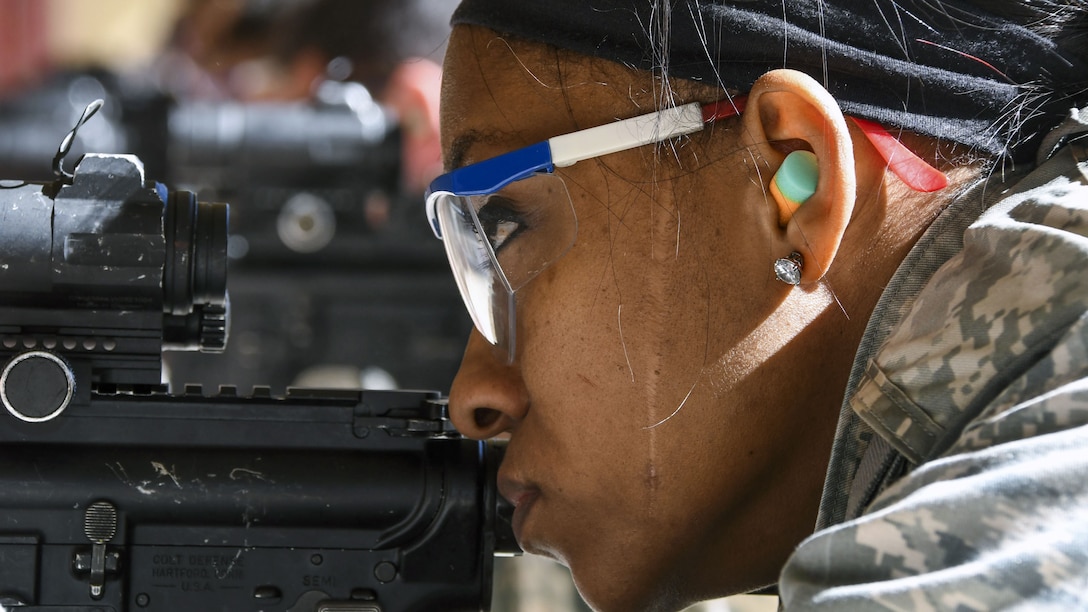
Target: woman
x=703 y=343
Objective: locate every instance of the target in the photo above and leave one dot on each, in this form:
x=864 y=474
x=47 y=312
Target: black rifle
x=332 y=263
x=117 y=495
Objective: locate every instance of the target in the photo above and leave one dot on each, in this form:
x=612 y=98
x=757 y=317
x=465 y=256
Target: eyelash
x=500 y=222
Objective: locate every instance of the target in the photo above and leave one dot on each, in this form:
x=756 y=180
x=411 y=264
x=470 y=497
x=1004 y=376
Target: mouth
x=522 y=496
x=521 y=512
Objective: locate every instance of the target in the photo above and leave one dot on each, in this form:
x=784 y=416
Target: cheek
x=643 y=456
x=615 y=315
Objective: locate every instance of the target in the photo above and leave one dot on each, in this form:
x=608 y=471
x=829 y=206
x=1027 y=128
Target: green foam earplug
x=796 y=179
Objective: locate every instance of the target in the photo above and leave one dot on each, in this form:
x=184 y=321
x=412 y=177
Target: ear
x=788 y=111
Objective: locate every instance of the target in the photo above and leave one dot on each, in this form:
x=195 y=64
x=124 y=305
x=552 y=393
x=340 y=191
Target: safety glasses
x=506 y=219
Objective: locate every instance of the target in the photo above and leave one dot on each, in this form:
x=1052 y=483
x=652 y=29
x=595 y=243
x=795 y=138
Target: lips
x=522 y=496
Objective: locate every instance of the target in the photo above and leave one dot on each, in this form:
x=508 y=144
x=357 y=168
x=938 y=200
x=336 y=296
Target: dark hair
x=994 y=75
x=1063 y=21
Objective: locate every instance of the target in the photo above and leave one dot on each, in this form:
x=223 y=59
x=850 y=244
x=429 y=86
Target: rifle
x=118 y=495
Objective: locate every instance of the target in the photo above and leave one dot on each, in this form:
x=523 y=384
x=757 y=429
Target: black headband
x=942 y=68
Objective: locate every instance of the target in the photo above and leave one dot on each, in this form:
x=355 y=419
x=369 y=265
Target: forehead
x=488 y=91
x=499 y=94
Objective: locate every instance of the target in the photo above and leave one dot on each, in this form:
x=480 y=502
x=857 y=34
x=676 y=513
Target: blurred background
x=317 y=121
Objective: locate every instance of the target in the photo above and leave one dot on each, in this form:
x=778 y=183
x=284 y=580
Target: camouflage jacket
x=959 y=474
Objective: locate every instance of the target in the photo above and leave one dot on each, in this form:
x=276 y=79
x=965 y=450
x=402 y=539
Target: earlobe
x=794 y=124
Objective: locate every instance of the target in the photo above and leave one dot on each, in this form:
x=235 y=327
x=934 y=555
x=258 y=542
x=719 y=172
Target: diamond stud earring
x=788 y=269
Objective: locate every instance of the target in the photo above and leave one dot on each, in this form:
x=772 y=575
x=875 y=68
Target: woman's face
x=659 y=444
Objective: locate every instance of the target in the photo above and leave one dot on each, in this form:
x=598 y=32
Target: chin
x=627 y=592
x=659 y=602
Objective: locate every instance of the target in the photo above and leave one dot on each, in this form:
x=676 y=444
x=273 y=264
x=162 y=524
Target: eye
x=500 y=221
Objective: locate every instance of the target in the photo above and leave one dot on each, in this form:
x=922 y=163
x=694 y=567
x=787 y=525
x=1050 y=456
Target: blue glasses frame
x=493 y=174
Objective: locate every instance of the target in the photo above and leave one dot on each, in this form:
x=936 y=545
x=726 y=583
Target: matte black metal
x=227 y=503
x=108 y=270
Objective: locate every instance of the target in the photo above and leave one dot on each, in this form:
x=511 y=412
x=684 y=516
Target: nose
x=487 y=397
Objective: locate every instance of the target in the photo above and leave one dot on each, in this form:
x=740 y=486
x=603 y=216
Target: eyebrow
x=460 y=146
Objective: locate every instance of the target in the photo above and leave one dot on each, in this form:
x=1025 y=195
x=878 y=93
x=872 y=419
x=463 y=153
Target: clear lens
x=478 y=277
x=496 y=243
